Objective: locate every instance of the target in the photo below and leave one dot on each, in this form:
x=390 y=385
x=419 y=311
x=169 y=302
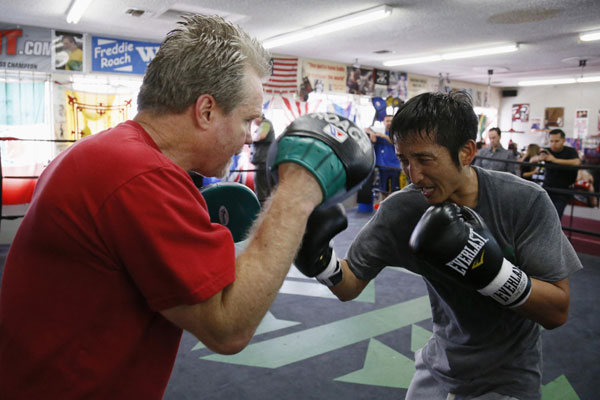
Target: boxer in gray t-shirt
x=482 y=345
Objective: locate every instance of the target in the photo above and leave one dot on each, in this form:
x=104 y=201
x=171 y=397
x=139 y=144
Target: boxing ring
x=582 y=231
x=19 y=181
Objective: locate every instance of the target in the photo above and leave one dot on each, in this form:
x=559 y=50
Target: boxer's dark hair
x=446 y=119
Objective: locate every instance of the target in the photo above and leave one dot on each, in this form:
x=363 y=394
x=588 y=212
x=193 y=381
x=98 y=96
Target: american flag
x=284 y=77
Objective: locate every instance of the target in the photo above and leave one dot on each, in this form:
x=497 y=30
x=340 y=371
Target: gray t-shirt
x=477 y=345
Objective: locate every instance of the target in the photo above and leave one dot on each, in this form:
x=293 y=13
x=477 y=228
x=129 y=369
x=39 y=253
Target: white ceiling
x=546 y=30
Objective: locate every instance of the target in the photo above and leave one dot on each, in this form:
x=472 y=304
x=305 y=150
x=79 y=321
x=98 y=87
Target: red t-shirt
x=115 y=232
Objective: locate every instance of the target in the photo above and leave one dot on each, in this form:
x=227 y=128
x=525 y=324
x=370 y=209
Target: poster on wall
x=519 y=117
x=398 y=86
x=536 y=124
x=581 y=124
x=554 y=117
x=25 y=48
x=359 y=80
x=68 y=51
x=382 y=80
x=324 y=76
x=417 y=86
x=122 y=56
x=520 y=112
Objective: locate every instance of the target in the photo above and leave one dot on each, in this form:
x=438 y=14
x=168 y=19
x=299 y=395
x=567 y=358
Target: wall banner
x=325 y=76
x=118 y=55
x=25 y=48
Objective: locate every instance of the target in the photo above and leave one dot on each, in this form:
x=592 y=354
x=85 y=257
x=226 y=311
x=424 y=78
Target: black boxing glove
x=316 y=258
x=456 y=239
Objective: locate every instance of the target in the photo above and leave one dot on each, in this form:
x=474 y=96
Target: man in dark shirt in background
x=559 y=177
x=260 y=147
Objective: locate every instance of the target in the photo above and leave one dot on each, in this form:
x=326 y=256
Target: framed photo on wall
x=68 y=51
x=581 y=123
x=554 y=117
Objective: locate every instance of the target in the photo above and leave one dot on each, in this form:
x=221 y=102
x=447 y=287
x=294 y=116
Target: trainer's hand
x=316 y=257
x=302 y=182
x=455 y=239
x=332 y=148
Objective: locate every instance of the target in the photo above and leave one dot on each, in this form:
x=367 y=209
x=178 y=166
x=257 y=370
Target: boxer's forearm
x=350 y=286
x=548 y=303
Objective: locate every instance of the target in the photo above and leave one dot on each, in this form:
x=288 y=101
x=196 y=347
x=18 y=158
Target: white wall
x=571 y=97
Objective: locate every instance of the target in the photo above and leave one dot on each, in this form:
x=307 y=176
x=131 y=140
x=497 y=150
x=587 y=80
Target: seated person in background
x=385 y=159
x=512 y=147
x=559 y=178
x=527 y=171
x=495 y=150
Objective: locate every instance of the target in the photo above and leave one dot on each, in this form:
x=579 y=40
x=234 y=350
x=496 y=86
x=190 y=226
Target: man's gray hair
x=205 y=55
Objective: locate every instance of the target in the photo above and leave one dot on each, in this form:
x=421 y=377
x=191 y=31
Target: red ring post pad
x=350 y=144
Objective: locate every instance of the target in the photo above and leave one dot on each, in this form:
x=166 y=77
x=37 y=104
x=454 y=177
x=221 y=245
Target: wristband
x=332 y=275
x=511 y=287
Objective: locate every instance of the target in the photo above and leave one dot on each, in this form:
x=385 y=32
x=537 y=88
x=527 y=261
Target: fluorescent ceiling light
x=589 y=36
x=589 y=79
x=453 y=55
x=542 y=82
x=480 y=52
x=334 y=25
x=560 y=81
x=76 y=10
x=414 y=60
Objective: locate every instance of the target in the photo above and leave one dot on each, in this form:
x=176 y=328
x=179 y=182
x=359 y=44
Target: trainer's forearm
x=263 y=265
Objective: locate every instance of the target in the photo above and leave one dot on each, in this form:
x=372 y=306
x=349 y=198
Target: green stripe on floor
x=298 y=346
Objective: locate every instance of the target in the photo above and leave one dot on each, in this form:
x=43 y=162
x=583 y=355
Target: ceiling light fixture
x=588 y=79
x=560 y=81
x=542 y=82
x=76 y=10
x=334 y=25
x=453 y=55
x=589 y=36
